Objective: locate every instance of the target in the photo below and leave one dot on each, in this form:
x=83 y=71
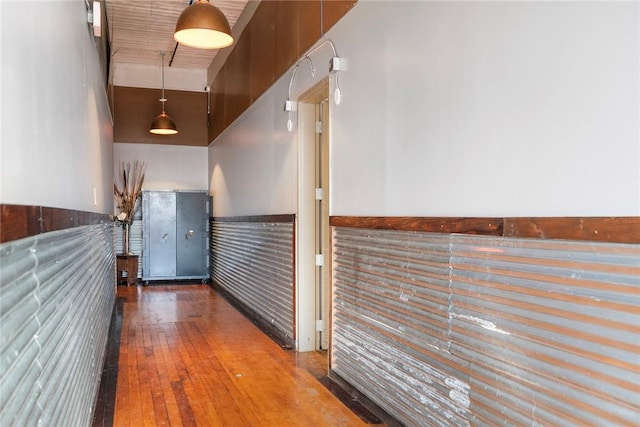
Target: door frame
x=306 y=229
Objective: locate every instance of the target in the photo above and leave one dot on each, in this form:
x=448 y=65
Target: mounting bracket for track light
x=289 y=105
x=337 y=64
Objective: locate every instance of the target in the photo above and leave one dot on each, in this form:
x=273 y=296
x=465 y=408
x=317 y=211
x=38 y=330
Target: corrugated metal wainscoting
x=445 y=330
x=58 y=292
x=253 y=262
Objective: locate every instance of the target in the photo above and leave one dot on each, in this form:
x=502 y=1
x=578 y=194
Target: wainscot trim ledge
x=21 y=221
x=280 y=218
x=598 y=229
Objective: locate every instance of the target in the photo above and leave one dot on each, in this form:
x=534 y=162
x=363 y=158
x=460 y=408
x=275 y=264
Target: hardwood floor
x=187 y=357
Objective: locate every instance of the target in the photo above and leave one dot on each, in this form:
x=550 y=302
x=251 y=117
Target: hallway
x=187 y=357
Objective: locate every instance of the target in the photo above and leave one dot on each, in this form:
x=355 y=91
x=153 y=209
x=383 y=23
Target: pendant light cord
x=162 y=99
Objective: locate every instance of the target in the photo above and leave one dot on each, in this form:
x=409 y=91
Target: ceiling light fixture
x=163 y=125
x=204 y=26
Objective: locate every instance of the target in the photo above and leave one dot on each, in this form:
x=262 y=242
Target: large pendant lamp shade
x=204 y=26
x=163 y=125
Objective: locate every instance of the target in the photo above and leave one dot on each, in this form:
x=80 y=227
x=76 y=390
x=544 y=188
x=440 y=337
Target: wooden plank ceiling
x=140 y=30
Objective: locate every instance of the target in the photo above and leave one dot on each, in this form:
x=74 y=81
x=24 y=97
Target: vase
x=125 y=238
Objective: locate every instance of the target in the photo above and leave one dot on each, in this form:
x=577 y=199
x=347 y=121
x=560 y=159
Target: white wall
x=167 y=167
x=252 y=170
x=489 y=109
x=149 y=76
x=56 y=143
x=460 y=109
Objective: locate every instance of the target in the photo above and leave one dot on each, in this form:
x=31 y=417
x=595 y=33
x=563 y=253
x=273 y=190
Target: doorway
x=313 y=230
x=323 y=230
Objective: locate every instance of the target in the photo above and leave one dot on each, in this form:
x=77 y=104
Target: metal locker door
x=191 y=234
x=159 y=216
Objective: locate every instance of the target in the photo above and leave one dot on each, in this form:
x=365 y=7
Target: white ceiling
x=140 y=29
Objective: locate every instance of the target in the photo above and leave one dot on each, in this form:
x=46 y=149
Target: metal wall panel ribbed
x=458 y=330
x=552 y=329
x=391 y=324
x=253 y=261
x=58 y=291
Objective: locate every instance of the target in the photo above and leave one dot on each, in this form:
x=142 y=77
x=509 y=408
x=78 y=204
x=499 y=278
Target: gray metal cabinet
x=175 y=239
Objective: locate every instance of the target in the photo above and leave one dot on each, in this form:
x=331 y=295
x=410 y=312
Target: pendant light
x=163 y=125
x=204 y=26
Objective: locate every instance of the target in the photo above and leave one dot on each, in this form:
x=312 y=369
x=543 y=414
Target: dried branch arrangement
x=127 y=187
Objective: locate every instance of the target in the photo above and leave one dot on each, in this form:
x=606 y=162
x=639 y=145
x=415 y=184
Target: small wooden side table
x=127 y=269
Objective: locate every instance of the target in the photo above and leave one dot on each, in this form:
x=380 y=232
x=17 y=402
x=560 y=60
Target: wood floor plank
x=194 y=385
x=189 y=358
x=156 y=368
x=231 y=406
x=167 y=375
x=143 y=353
x=186 y=414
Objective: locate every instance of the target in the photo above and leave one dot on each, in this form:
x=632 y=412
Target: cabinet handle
x=189 y=234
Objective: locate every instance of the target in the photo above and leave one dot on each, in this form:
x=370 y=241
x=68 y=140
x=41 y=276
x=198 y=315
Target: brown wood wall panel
x=334 y=10
x=262 y=40
x=216 y=119
x=237 y=78
x=20 y=221
x=135 y=109
x=600 y=229
x=279 y=33
x=308 y=25
x=286 y=34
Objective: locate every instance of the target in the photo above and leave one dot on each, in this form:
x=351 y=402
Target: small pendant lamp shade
x=162 y=124
x=204 y=26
